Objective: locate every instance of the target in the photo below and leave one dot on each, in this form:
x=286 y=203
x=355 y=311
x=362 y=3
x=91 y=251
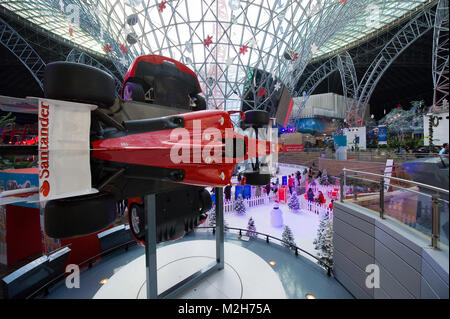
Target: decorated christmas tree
x=251 y=229
x=239 y=205
x=324 y=178
x=288 y=238
x=324 y=242
x=293 y=202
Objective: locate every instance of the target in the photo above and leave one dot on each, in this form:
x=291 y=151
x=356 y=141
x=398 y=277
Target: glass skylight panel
x=219 y=39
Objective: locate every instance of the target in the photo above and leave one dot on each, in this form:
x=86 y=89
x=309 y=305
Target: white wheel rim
x=135 y=220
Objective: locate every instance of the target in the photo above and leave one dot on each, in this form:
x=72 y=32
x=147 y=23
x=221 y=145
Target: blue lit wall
x=313 y=125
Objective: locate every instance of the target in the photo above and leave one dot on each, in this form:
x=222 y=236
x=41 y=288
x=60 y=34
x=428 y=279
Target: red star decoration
x=123 y=48
x=343 y=1
x=207 y=41
x=243 y=49
x=71 y=31
x=162 y=6
x=295 y=57
x=107 y=48
x=262 y=92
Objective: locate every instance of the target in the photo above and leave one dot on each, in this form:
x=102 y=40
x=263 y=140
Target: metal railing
x=89 y=262
x=284 y=243
x=381 y=156
x=383 y=189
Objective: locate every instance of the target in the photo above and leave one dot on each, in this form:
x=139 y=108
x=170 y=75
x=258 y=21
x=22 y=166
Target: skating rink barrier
x=321 y=210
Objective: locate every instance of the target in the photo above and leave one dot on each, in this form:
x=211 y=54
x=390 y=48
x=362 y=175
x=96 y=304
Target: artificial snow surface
x=304 y=224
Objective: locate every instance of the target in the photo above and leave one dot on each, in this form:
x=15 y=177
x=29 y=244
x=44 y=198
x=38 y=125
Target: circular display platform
x=245 y=275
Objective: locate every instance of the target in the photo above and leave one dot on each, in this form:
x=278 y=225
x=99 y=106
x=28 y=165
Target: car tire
x=78 y=83
x=256 y=179
x=205 y=200
x=257 y=118
x=134 y=92
x=200 y=103
x=79 y=216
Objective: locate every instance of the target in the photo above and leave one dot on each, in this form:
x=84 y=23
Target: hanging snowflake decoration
x=314 y=48
x=123 y=61
x=210 y=81
x=188 y=60
x=234 y=4
x=188 y=46
x=277 y=86
x=243 y=49
x=281 y=15
x=133 y=3
x=229 y=61
x=253 y=43
x=314 y=9
x=207 y=42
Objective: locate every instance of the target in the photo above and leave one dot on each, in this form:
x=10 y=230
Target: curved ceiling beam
x=18 y=46
x=440 y=62
x=413 y=30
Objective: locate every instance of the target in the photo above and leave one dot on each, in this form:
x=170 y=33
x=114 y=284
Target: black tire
x=79 y=216
x=205 y=201
x=200 y=103
x=257 y=118
x=257 y=179
x=136 y=92
x=78 y=83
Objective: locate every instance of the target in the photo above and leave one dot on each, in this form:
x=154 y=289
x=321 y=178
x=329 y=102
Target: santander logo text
x=44 y=167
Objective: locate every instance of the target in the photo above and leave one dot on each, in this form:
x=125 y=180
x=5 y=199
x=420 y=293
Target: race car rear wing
x=64 y=149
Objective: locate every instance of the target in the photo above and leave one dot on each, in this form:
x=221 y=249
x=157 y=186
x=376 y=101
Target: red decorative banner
x=294 y=148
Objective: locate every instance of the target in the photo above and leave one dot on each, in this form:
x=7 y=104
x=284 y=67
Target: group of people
x=293 y=180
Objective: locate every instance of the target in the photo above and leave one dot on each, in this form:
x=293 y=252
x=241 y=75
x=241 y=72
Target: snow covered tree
x=239 y=205
x=251 y=229
x=293 y=202
x=288 y=238
x=212 y=219
x=324 y=178
x=324 y=242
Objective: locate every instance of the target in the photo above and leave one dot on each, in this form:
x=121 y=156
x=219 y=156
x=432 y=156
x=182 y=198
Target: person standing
x=258 y=191
x=227 y=192
x=444 y=149
x=290 y=183
x=310 y=195
x=268 y=189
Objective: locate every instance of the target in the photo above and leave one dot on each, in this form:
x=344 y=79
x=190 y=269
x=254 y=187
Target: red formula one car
x=153 y=140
